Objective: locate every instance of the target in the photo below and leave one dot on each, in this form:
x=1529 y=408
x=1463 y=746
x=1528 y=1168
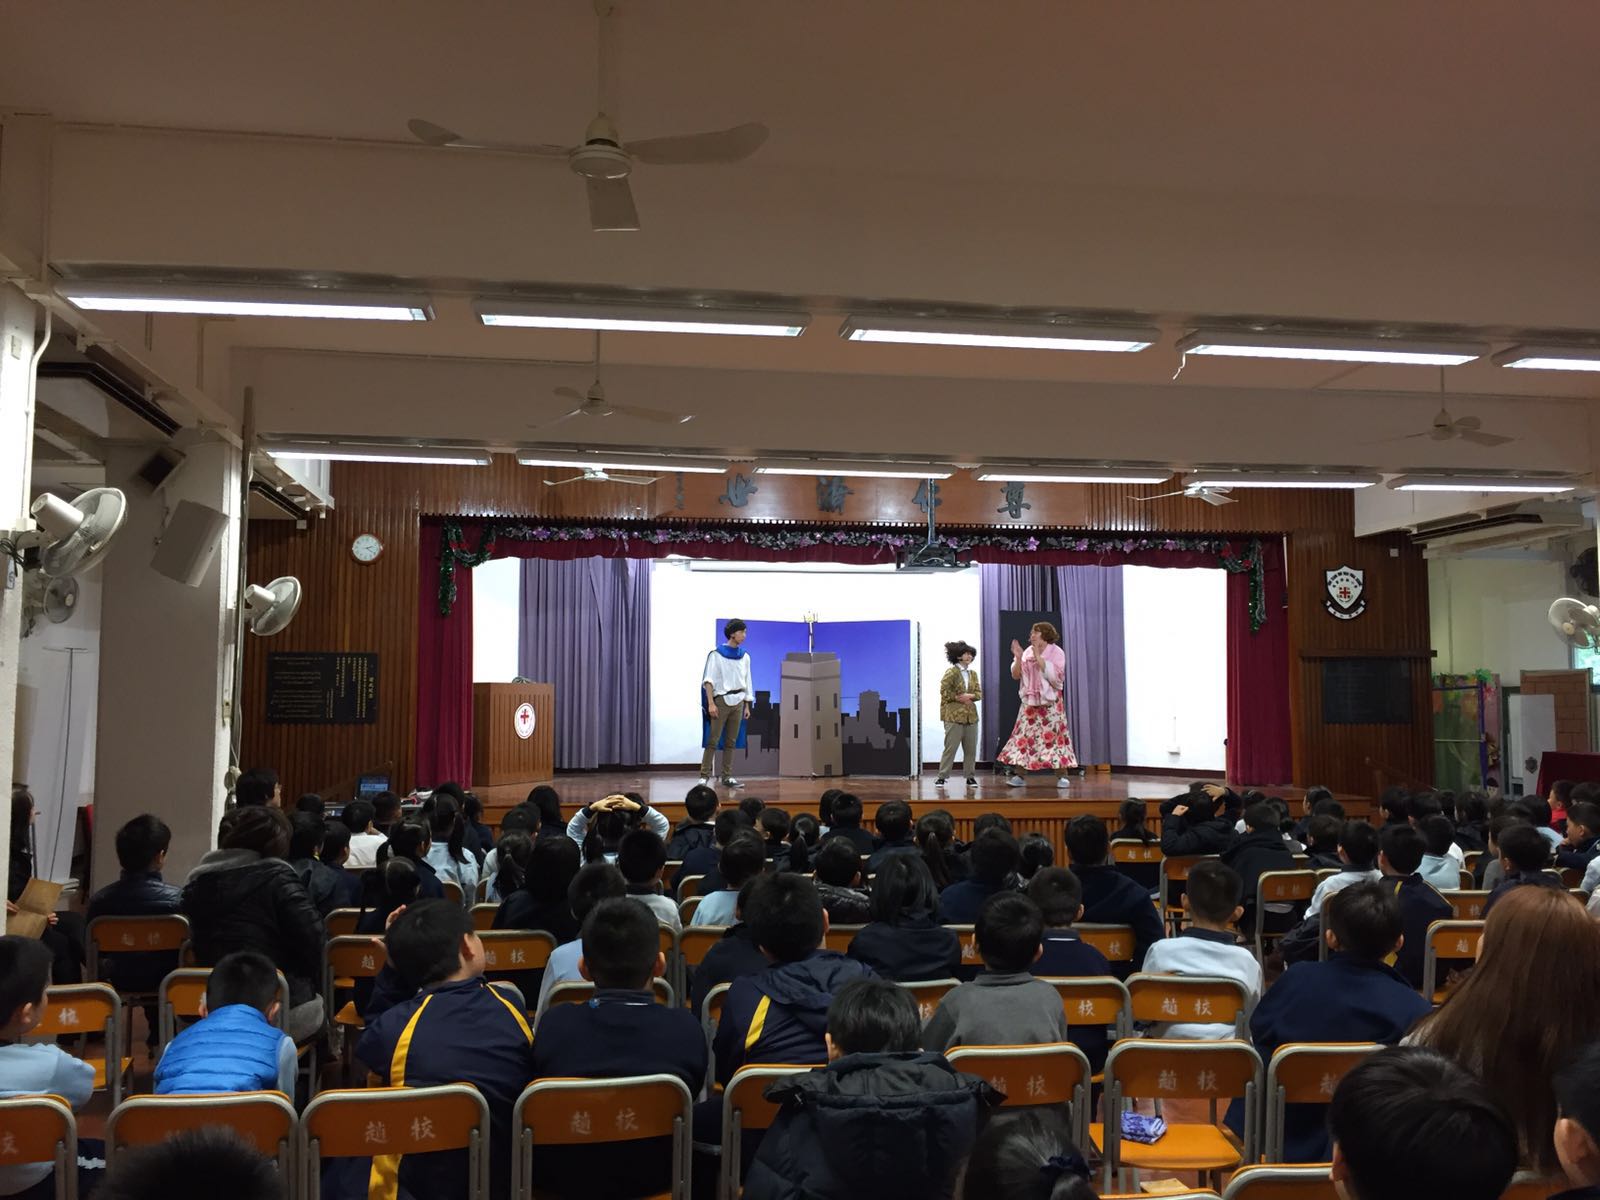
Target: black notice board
x=322 y=689
x=1366 y=691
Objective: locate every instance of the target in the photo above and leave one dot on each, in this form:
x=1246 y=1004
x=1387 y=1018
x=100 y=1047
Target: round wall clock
x=366 y=548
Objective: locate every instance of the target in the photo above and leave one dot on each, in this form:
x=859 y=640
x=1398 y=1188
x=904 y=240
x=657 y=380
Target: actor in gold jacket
x=959 y=693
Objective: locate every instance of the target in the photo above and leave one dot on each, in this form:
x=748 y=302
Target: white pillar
x=17 y=315
x=165 y=664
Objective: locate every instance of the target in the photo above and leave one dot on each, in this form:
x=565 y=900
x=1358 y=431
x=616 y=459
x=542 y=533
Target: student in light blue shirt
x=742 y=859
x=448 y=855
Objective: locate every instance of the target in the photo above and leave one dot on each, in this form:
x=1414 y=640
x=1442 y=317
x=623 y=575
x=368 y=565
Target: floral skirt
x=1040 y=741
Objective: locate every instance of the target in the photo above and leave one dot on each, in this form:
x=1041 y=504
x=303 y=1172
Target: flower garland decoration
x=455 y=550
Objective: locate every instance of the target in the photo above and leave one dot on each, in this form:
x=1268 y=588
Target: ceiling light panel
x=860 y=469
x=640 y=318
x=1002 y=334
x=620 y=460
x=1550 y=358
x=1480 y=483
x=420 y=455
x=1066 y=473
x=1329 y=348
x=317 y=303
x=1346 y=480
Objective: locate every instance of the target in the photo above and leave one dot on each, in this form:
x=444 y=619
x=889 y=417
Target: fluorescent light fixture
x=622 y=460
x=640 y=318
x=1010 y=473
x=1280 y=479
x=1479 y=483
x=1326 y=348
x=1551 y=358
x=996 y=333
x=246 y=302
x=858 y=468
x=426 y=455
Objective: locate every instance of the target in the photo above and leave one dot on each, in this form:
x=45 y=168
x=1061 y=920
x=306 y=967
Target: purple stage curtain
x=1097 y=662
x=444 y=673
x=586 y=629
x=1004 y=586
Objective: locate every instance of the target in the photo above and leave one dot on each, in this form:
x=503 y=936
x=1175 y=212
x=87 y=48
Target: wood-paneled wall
x=373 y=607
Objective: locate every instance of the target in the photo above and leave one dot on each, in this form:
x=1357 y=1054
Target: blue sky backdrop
x=873 y=655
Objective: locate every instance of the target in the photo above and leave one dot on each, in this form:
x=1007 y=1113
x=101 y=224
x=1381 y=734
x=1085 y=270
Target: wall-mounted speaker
x=159 y=466
x=189 y=543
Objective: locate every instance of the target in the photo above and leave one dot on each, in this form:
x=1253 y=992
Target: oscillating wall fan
x=1577 y=623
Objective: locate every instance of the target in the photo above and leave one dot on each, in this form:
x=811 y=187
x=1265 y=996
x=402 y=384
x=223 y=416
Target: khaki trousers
x=965 y=736
x=724 y=733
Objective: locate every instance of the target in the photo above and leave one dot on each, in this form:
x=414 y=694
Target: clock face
x=366 y=548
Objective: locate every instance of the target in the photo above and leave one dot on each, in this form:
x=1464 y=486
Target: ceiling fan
x=1446 y=428
x=1217 y=496
x=593 y=403
x=600 y=475
x=603 y=159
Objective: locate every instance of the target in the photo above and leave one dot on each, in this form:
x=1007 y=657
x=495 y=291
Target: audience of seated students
x=1581 y=845
x=1511 y=1019
x=64 y=937
x=385 y=812
x=845 y=821
x=1395 y=805
x=994 y=859
x=236 y=1046
x=455 y=1028
x=244 y=896
x=893 y=821
x=512 y=856
x=981 y=824
x=1539 y=814
x=364 y=840
x=411 y=840
x=773 y=825
x=825 y=809
x=140 y=892
x=1558 y=801
x=620 y=1031
x=1133 y=826
x=1259 y=849
x=743 y=858
x=1198 y=824
x=734 y=956
x=596 y=882
x=1408 y=1123
x=1109 y=896
x=1034 y=853
x=1322 y=842
x=312 y=803
x=1208 y=945
x=1439 y=868
x=1472 y=821
x=38 y=1068
x=696 y=830
x=1026 y=1154
x=641 y=858
x=880 y=1089
x=522 y=822
x=1006 y=1004
x=1399 y=855
x=839 y=879
x=1358 y=857
x=211 y=1160
x=704 y=860
x=1524 y=855
x=448 y=853
x=1577 y=1132
x=600 y=827
x=456 y=795
x=904 y=941
x=1308 y=809
x=258 y=787
x=1354 y=996
x=389 y=889
x=472 y=814
x=328 y=887
x=936 y=837
x=1059 y=896
x=805 y=836
x=541 y=900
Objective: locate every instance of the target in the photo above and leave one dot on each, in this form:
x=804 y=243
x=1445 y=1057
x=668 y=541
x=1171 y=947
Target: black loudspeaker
x=189 y=543
x=1015 y=624
x=159 y=465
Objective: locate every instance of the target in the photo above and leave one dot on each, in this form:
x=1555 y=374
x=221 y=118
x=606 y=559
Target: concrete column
x=166 y=664
x=17 y=315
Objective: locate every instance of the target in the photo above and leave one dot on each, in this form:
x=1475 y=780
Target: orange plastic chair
x=1115 y=942
x=76 y=1010
x=1056 y=1073
x=181 y=993
x=929 y=992
x=1190 y=999
x=1095 y=1000
x=1304 y=1073
x=1175 y=869
x=839 y=937
x=745 y=1107
x=667 y=940
x=483 y=916
x=1280 y=887
x=601 y=1112
x=1132 y=850
x=341 y=922
x=686 y=909
x=266 y=1120
x=694 y=943
x=42 y=1129
x=578 y=991
x=346 y=960
x=452 y=891
x=168 y=933
x=967 y=935
x=1282 y=1183
x=509 y=951
x=1180 y=1070
x=386 y=1123
x=1467 y=904
x=1450 y=942
x=690 y=885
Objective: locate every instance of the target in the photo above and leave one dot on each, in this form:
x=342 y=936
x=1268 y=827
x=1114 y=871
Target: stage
x=1040 y=807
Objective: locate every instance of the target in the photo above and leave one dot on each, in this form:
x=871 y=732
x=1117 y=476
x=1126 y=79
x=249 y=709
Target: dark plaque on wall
x=322 y=689
x=1366 y=691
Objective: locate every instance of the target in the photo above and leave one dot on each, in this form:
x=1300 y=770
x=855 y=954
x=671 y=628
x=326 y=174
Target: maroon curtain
x=444 y=672
x=1258 y=679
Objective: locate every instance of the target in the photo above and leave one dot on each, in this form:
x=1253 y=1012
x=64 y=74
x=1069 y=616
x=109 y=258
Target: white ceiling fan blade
x=1216 y=499
x=1485 y=439
x=652 y=414
x=567 y=393
x=1468 y=422
x=638 y=480
x=430 y=134
x=1162 y=496
x=566 y=416
x=611 y=206
x=563 y=482
x=720 y=146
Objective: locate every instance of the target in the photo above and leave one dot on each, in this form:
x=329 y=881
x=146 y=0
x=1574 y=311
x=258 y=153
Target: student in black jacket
x=846 y=821
x=1322 y=842
x=697 y=831
x=994 y=858
x=1524 y=854
x=1400 y=851
x=1582 y=841
x=1064 y=954
x=1260 y=849
x=1110 y=897
x=1194 y=825
x=904 y=941
x=893 y=821
x=702 y=860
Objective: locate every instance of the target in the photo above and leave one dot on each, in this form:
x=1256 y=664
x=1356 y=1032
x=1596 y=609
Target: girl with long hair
x=411 y=840
x=936 y=834
x=904 y=941
x=541 y=902
x=448 y=854
x=512 y=857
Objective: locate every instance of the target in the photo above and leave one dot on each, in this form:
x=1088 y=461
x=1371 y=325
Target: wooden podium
x=513 y=733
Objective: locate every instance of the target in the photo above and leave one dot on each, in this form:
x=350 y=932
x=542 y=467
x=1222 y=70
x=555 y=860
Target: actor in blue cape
x=725 y=695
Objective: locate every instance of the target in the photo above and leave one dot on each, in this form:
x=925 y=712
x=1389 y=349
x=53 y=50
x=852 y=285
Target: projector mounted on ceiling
x=931 y=555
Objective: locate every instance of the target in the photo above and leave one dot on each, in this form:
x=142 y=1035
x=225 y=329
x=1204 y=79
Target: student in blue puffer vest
x=235 y=1046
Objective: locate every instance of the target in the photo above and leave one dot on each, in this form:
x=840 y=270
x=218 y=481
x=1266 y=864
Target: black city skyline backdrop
x=876 y=740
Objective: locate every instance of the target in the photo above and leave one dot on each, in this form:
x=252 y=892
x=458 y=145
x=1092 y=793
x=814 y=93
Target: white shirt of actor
x=729 y=678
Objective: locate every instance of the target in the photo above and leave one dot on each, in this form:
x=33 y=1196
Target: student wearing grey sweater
x=1005 y=1005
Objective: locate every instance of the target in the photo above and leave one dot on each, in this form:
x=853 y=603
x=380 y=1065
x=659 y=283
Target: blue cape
x=734 y=652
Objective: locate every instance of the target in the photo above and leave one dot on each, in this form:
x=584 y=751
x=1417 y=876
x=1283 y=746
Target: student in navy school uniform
x=411 y=840
x=894 y=822
x=904 y=941
x=1400 y=851
x=1354 y=996
x=1582 y=842
x=734 y=957
x=1059 y=896
x=995 y=856
x=844 y=819
x=697 y=830
x=1524 y=855
x=455 y=1028
x=1109 y=896
x=333 y=854
x=619 y=1031
x=704 y=860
